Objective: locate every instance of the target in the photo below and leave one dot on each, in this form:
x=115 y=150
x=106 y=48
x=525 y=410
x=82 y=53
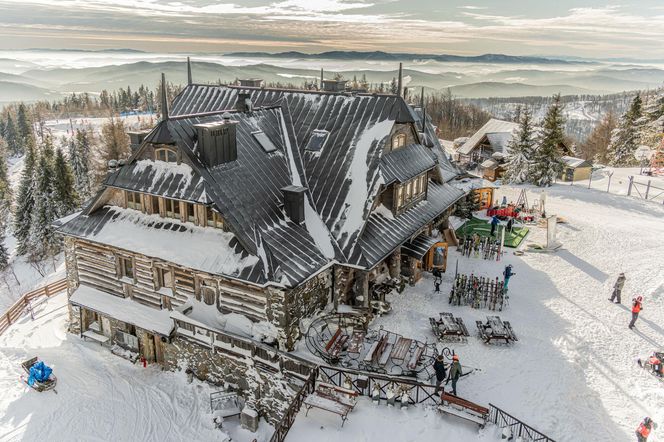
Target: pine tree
x=520 y=151
x=12 y=137
x=4 y=253
x=5 y=188
x=467 y=205
x=42 y=238
x=25 y=201
x=25 y=130
x=626 y=137
x=547 y=165
x=79 y=150
x=65 y=196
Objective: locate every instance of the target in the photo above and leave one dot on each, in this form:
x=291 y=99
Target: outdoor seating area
x=449 y=328
x=343 y=340
x=494 y=330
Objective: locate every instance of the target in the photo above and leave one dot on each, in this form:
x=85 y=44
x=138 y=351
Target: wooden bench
x=336 y=344
x=400 y=349
x=464 y=409
x=93 y=335
x=356 y=342
x=415 y=357
x=328 y=397
x=375 y=350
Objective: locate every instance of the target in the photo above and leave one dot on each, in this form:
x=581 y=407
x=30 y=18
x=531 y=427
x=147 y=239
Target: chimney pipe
x=400 y=80
x=294 y=202
x=424 y=110
x=189 y=80
x=164 y=99
x=321 y=79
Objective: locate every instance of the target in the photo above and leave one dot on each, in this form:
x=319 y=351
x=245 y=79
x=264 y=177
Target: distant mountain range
x=397 y=56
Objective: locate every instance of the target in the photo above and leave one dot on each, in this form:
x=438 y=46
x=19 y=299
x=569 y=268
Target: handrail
x=282 y=428
x=518 y=428
x=13 y=313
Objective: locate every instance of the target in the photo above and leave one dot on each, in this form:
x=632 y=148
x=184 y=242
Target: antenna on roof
x=321 y=79
x=400 y=80
x=164 y=98
x=424 y=109
x=189 y=81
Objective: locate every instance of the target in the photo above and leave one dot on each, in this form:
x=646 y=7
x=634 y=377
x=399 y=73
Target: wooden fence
x=645 y=191
x=13 y=313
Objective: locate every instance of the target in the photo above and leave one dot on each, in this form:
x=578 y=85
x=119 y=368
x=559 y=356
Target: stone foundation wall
x=270 y=391
x=304 y=302
x=71 y=273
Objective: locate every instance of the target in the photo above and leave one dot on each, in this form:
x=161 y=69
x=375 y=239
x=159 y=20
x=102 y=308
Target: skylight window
x=264 y=141
x=317 y=140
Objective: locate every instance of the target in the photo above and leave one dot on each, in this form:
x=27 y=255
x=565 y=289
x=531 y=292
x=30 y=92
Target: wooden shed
x=575 y=169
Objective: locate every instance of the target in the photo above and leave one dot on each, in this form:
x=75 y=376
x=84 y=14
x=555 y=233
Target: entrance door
x=437 y=256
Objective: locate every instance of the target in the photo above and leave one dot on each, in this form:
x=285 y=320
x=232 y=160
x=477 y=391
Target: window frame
x=167 y=151
x=131 y=198
x=398 y=141
x=216 y=222
x=160 y=280
x=126 y=263
x=176 y=212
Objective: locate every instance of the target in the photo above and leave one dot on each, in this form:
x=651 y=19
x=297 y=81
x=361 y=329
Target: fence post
x=608 y=186
x=590 y=178
x=647 y=190
x=629 y=189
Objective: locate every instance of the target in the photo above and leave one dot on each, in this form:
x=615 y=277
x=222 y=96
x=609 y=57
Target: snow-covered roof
x=124 y=309
x=488 y=164
x=471 y=183
x=575 y=162
x=500 y=132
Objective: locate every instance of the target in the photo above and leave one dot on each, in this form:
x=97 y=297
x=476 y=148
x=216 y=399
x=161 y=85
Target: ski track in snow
x=573 y=373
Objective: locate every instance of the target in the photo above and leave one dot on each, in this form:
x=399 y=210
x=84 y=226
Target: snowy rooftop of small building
x=575 y=162
x=499 y=131
x=124 y=309
x=472 y=182
x=207 y=249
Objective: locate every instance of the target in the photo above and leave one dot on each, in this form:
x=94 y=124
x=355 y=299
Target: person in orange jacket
x=644 y=430
x=636 y=309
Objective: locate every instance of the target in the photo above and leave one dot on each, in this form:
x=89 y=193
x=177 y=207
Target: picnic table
x=496 y=330
x=328 y=397
x=448 y=327
x=356 y=343
x=400 y=350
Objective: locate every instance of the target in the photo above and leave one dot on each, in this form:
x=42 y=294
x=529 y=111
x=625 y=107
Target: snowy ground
x=99 y=396
x=572 y=374
x=619 y=182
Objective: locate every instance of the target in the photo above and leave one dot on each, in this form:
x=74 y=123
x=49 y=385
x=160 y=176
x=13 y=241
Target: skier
x=617 y=288
x=441 y=372
x=504 y=202
x=636 y=309
x=508 y=274
x=455 y=373
x=494 y=223
x=644 y=430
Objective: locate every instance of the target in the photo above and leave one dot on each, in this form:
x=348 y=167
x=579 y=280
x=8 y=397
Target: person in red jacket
x=644 y=429
x=636 y=309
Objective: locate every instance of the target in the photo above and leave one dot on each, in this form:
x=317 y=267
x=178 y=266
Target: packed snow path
x=573 y=373
x=99 y=395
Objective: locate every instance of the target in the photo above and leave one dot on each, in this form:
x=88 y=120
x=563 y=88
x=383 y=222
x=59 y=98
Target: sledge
x=646 y=365
x=40 y=376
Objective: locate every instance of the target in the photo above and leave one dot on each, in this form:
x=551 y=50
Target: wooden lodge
x=247 y=209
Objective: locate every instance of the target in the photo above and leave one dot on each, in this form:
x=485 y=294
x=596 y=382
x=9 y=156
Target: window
x=134 y=200
x=399 y=140
x=317 y=140
x=164 y=154
x=208 y=294
x=126 y=268
x=410 y=191
x=155 y=204
x=172 y=208
x=191 y=209
x=213 y=218
x=264 y=141
x=164 y=282
x=399 y=196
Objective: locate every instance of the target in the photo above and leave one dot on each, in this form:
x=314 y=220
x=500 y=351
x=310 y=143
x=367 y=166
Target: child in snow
x=441 y=372
x=636 y=309
x=508 y=274
x=617 y=288
x=494 y=223
x=644 y=430
x=455 y=373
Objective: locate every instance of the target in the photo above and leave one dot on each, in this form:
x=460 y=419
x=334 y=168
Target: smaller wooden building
x=575 y=169
x=493 y=168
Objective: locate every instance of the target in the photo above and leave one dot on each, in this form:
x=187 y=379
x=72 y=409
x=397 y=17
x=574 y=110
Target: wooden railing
x=282 y=428
x=517 y=428
x=13 y=313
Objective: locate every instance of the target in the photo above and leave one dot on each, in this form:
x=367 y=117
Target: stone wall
x=269 y=390
x=71 y=273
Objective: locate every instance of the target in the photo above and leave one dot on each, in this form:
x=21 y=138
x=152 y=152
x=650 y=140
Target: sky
x=586 y=28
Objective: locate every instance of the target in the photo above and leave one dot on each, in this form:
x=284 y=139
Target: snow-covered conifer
x=547 y=163
x=65 y=197
x=520 y=151
x=626 y=137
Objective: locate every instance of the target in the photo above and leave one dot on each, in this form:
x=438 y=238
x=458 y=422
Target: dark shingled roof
x=406 y=163
x=343 y=179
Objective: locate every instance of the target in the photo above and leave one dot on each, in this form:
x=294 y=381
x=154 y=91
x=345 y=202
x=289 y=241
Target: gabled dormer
x=402 y=135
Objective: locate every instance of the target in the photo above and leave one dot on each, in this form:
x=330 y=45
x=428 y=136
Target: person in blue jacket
x=494 y=223
x=508 y=273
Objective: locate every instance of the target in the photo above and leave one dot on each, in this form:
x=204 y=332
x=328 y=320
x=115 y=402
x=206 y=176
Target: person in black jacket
x=441 y=372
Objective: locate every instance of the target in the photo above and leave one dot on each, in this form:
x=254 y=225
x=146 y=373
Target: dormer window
x=165 y=154
x=398 y=140
x=410 y=192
